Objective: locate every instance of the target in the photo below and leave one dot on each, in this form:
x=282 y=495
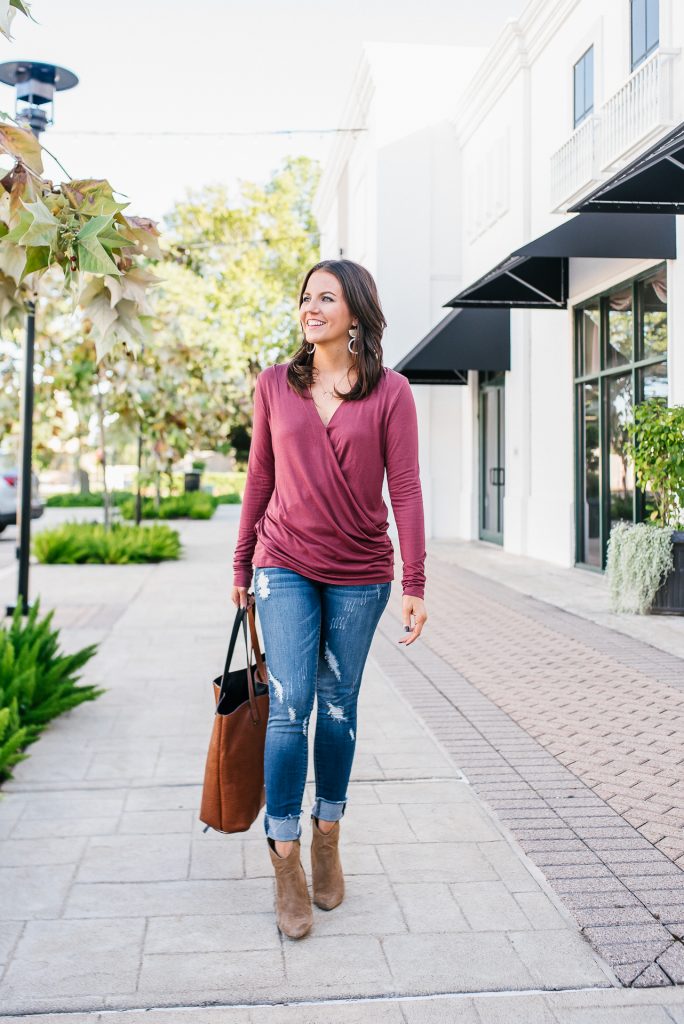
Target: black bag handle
x=240 y=620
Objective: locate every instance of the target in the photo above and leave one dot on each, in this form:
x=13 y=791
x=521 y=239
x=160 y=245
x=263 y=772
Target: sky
x=164 y=83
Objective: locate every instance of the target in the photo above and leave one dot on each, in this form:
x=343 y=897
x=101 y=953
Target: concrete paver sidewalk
x=113 y=899
x=573 y=734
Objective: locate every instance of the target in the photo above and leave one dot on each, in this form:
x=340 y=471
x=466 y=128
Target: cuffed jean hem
x=328 y=810
x=283 y=829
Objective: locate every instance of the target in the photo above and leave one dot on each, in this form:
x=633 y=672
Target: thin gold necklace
x=331 y=393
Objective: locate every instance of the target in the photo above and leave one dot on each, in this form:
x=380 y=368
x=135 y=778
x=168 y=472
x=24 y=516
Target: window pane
x=584 y=85
x=638 y=30
x=652 y=29
x=621 y=473
x=589 y=80
x=654 y=381
x=654 y=305
x=579 y=92
x=589 y=328
x=591 y=475
x=653 y=385
x=620 y=328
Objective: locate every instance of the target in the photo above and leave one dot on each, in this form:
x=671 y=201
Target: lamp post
x=35 y=86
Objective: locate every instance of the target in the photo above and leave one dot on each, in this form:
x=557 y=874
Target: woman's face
x=324 y=313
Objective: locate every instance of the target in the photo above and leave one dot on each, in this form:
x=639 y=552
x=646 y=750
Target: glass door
x=492 y=469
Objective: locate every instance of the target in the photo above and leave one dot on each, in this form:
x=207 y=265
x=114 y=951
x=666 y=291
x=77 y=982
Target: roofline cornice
x=516 y=47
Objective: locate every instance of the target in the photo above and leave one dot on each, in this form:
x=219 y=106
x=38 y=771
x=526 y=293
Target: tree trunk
x=138 y=496
x=103 y=443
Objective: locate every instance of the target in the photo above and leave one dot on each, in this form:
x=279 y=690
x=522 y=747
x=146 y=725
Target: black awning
x=608 y=235
x=527 y=282
x=536 y=274
x=466 y=339
x=653 y=183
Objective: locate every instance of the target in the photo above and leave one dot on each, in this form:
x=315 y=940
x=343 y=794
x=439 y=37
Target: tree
x=250 y=252
x=79 y=228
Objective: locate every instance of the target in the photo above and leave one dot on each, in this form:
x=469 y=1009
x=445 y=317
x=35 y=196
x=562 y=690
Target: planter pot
x=669 y=599
x=192 y=481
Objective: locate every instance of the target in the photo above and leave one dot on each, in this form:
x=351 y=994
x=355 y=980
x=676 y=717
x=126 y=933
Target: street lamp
x=35 y=86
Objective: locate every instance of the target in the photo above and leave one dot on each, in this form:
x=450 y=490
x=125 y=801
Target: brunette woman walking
x=327 y=425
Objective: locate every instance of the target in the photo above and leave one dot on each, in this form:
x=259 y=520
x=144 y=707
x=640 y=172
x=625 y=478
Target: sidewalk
x=580 y=591
x=113 y=899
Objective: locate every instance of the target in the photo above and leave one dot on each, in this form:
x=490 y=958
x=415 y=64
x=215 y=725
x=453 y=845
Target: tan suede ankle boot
x=294 y=915
x=326 y=869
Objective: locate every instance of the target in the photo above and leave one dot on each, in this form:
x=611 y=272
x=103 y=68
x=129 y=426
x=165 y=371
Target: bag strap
x=241 y=616
x=261 y=667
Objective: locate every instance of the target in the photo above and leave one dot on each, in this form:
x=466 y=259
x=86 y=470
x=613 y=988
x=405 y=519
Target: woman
x=327 y=425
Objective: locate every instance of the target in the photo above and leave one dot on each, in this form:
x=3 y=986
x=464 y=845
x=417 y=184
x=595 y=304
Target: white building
x=461 y=164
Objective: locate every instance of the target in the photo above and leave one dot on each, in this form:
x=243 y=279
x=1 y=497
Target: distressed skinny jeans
x=316 y=637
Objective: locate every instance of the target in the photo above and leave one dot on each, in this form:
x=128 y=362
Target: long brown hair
x=361 y=295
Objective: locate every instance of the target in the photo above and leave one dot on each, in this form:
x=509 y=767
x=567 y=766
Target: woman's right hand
x=238 y=596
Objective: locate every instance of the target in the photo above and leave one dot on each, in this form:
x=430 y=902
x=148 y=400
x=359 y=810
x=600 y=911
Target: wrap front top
x=313 y=496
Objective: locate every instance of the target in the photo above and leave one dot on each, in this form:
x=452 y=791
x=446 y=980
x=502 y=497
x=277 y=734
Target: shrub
x=37 y=682
x=194 y=505
x=656 y=444
x=93 y=499
x=227 y=499
x=77 y=543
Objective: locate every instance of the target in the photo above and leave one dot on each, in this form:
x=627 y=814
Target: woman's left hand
x=412 y=606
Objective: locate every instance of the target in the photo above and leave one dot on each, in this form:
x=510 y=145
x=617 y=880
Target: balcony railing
x=642 y=105
x=636 y=112
x=575 y=162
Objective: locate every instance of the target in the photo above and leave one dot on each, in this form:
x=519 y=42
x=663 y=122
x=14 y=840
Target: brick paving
x=573 y=734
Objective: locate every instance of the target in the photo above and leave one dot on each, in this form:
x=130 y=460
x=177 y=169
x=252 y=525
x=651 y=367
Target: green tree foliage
x=656 y=444
x=249 y=253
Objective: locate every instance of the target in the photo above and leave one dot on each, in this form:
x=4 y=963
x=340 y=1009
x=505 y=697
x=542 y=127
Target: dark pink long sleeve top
x=313 y=497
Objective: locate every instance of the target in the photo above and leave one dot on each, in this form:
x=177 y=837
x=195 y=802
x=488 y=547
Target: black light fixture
x=35 y=85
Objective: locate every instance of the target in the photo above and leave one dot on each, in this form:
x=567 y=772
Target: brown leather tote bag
x=233 y=791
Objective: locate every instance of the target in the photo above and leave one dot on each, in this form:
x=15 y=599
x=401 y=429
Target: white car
x=9 y=491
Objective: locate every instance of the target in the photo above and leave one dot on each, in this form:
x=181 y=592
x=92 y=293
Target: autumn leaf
x=143 y=233
x=93 y=197
x=12 y=261
x=101 y=316
x=43 y=228
x=20 y=184
x=37 y=257
x=21 y=143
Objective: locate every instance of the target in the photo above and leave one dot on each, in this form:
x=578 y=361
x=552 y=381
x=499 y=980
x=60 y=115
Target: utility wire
x=212 y=135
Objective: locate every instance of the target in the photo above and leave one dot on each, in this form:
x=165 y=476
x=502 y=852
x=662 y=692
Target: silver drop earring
x=352 y=339
x=310 y=349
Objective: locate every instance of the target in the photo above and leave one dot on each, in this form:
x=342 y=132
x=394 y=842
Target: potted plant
x=646 y=560
x=194 y=478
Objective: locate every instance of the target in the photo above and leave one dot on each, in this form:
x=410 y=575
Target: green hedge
x=77 y=543
x=194 y=505
x=94 y=499
x=37 y=683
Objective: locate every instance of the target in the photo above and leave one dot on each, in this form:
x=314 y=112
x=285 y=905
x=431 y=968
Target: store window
x=645 y=29
x=620 y=360
x=583 y=79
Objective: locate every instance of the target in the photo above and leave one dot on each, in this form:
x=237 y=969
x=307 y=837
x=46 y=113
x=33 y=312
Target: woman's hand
x=238 y=596
x=412 y=606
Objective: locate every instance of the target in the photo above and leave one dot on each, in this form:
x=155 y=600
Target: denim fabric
x=317 y=637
